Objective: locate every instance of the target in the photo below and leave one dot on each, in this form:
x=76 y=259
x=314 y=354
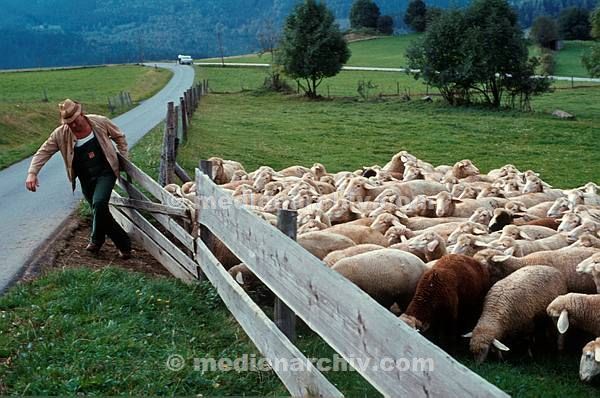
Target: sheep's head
x=419 y=206
x=465 y=168
x=239 y=175
x=468 y=193
x=575 y=197
x=389 y=208
x=318 y=170
x=501 y=218
x=482 y=339
x=468 y=227
x=414 y=322
x=514 y=232
x=481 y=215
x=457 y=189
x=559 y=309
x=589 y=367
x=587 y=240
x=587 y=226
x=384 y=221
x=273 y=188
x=172 y=188
x=427 y=242
x=559 y=207
x=312 y=225
x=505 y=244
x=569 y=222
x=589 y=265
x=243 y=276
x=491 y=191
x=342 y=211
x=261 y=180
x=398 y=233
x=532 y=185
x=412 y=173
x=445 y=204
x=358 y=189
x=468 y=244
x=449 y=180
x=591 y=188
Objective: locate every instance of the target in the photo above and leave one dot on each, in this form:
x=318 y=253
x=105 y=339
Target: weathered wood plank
x=167 y=222
x=148 y=183
x=346 y=317
x=270 y=341
x=159 y=253
x=182 y=174
x=149 y=206
x=159 y=238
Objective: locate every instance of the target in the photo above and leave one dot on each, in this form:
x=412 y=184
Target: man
x=84 y=143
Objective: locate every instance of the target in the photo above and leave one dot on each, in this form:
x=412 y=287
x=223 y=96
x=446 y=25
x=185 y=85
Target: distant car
x=184 y=60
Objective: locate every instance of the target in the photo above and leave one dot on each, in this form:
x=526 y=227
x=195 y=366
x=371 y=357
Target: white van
x=184 y=60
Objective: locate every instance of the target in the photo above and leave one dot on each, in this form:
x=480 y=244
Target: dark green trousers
x=97 y=192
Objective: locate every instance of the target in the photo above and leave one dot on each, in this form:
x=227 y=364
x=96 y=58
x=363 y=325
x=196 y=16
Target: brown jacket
x=62 y=139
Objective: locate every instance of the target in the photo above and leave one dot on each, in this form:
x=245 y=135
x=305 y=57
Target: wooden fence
x=351 y=322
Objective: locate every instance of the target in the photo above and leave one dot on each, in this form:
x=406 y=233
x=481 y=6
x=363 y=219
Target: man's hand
x=32 y=182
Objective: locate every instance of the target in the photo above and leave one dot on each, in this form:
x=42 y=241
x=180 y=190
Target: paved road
x=27 y=219
x=375 y=69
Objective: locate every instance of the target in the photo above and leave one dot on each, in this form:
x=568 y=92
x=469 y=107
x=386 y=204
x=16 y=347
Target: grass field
x=26 y=121
x=390 y=52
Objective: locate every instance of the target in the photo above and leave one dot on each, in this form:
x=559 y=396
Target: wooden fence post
x=184 y=124
x=284 y=317
x=166 y=173
x=205 y=235
x=176 y=134
x=190 y=105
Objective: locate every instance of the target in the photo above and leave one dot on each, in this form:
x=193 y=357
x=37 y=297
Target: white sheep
x=359 y=234
x=589 y=366
x=432 y=245
x=512 y=305
x=321 y=243
x=577 y=310
x=521 y=248
x=591 y=266
x=388 y=275
x=398 y=234
x=332 y=258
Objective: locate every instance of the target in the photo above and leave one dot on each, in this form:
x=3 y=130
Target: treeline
x=529 y=10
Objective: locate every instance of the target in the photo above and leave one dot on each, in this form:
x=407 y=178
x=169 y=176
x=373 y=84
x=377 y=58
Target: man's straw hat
x=69 y=110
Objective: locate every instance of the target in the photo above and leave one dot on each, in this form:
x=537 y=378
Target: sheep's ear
x=403 y=238
x=400 y=215
x=404 y=159
x=480 y=243
x=431 y=246
x=396 y=223
x=525 y=236
x=496 y=343
x=455 y=200
x=563 y=322
x=368 y=185
x=510 y=251
x=500 y=259
x=354 y=209
x=519 y=214
x=597 y=354
x=479 y=231
x=239 y=278
x=468 y=335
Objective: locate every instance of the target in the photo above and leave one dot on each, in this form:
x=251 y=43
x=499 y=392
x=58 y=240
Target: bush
x=547 y=63
x=574 y=24
x=364 y=14
x=416 y=15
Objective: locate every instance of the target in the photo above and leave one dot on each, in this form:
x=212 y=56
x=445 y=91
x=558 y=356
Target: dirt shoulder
x=67 y=250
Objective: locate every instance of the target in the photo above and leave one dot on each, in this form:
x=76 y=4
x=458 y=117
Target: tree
x=364 y=14
x=432 y=14
x=591 y=60
x=385 y=25
x=416 y=15
x=574 y=24
x=312 y=46
x=595 y=22
x=478 y=54
x=544 y=32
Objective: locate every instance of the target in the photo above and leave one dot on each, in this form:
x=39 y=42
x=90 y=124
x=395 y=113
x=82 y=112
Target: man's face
x=79 y=124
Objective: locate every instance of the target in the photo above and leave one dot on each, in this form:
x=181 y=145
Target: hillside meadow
x=389 y=52
x=26 y=120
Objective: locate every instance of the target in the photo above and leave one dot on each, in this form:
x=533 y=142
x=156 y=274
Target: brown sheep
x=449 y=295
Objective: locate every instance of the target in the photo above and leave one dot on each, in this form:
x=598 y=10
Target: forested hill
x=75 y=32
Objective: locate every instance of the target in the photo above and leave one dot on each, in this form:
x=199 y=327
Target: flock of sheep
x=451 y=251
